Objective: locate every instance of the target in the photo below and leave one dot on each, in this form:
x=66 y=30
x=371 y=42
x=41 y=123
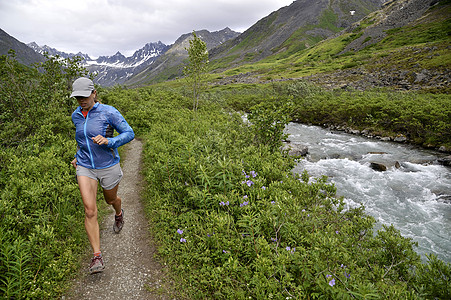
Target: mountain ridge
x=24 y=54
x=114 y=69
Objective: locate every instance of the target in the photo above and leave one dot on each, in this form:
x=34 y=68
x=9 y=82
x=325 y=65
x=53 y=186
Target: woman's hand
x=100 y=140
x=74 y=163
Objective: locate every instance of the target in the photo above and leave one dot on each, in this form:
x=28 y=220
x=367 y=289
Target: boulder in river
x=400 y=139
x=445 y=161
x=377 y=166
x=295 y=149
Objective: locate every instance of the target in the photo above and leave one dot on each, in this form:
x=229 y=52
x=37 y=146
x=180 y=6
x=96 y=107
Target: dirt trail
x=130 y=269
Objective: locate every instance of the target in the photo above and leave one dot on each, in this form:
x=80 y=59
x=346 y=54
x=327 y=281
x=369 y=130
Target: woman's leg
x=88 y=191
x=113 y=199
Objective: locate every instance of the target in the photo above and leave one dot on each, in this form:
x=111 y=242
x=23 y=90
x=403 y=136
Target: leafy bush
x=41 y=224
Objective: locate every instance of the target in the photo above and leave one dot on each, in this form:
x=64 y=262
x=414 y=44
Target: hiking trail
x=131 y=272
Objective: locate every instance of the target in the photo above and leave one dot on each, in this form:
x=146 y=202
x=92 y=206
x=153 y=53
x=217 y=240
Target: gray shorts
x=108 y=177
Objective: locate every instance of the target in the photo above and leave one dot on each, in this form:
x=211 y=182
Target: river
x=415 y=196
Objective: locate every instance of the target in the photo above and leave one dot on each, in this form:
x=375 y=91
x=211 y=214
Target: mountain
x=293 y=28
x=170 y=64
x=403 y=45
x=117 y=69
x=113 y=69
x=24 y=54
x=288 y=30
x=53 y=52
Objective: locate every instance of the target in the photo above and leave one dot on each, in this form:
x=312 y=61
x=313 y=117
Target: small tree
x=196 y=68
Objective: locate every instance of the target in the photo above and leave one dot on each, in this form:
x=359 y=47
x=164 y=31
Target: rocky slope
x=24 y=54
x=409 y=44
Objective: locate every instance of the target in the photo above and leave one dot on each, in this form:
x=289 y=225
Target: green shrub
x=41 y=224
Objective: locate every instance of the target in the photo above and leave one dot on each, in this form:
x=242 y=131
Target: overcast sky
x=103 y=27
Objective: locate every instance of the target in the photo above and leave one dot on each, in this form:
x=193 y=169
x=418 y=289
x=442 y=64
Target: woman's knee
x=111 y=200
x=91 y=212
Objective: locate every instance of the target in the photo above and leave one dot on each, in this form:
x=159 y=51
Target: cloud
x=103 y=27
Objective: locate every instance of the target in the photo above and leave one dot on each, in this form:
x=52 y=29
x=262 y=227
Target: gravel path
x=130 y=269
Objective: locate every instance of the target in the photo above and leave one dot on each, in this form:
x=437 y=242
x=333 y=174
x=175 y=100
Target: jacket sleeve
x=118 y=122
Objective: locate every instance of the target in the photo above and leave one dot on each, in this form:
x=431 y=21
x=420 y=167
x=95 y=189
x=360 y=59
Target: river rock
x=445 y=161
x=378 y=166
x=400 y=139
x=295 y=149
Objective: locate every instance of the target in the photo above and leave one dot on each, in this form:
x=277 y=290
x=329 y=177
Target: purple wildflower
x=263 y=187
x=179 y=231
x=244 y=203
x=347 y=275
x=337 y=232
x=249 y=183
x=332 y=282
x=182 y=240
x=288 y=248
x=245 y=197
x=253 y=174
x=273 y=202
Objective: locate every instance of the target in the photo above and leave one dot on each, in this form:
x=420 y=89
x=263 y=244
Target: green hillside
x=422 y=46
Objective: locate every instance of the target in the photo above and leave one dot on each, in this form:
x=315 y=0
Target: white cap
x=82 y=87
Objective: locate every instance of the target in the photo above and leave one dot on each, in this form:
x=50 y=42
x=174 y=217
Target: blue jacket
x=101 y=119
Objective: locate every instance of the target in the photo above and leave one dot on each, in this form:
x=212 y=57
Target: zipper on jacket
x=87 y=140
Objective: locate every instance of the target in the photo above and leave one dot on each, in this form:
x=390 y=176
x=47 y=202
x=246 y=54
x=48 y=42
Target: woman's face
x=87 y=103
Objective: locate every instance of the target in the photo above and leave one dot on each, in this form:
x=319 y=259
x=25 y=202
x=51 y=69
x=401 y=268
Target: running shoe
x=96 y=265
x=118 y=222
